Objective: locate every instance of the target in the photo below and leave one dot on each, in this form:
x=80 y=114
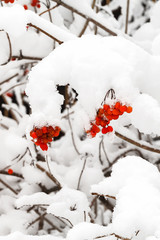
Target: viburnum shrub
x=107 y=113
x=43 y=136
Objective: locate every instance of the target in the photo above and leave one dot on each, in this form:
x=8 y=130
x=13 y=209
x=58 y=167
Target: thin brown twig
x=87 y=21
x=8 y=186
x=147 y=148
x=85 y=16
x=127 y=16
x=122 y=155
x=26 y=58
x=100 y=156
x=105 y=151
x=72 y=135
x=49 y=175
x=16 y=85
x=8 y=79
x=80 y=176
x=14 y=174
x=102 y=195
x=46 y=33
x=48 y=10
x=10 y=49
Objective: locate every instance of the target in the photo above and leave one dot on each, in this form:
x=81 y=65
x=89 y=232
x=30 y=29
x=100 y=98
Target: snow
x=18 y=23
x=18 y=235
x=86 y=230
x=70 y=204
x=135 y=183
x=89 y=55
x=34 y=199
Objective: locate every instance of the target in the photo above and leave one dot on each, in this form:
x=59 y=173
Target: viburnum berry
x=42 y=136
x=9 y=94
x=38 y=5
x=25 y=7
x=129 y=109
x=10 y=171
x=104 y=130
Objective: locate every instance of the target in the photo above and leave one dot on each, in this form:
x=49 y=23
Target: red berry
x=10 y=171
x=25 y=7
x=44 y=129
x=13 y=59
x=129 y=109
x=104 y=130
x=123 y=108
x=95 y=128
x=38 y=5
x=93 y=134
x=110 y=129
x=39 y=132
x=103 y=123
x=33 y=134
x=115 y=112
x=100 y=112
x=44 y=146
x=11 y=1
x=117 y=105
x=9 y=94
x=98 y=120
x=105 y=107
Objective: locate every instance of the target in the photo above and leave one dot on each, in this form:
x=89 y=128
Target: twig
x=70 y=125
x=36 y=220
x=90 y=19
x=122 y=155
x=147 y=148
x=105 y=151
x=80 y=176
x=101 y=195
x=67 y=220
x=27 y=57
x=50 y=176
x=10 y=49
x=8 y=186
x=12 y=175
x=87 y=21
x=16 y=85
x=8 y=79
x=100 y=157
x=46 y=33
x=117 y=236
x=127 y=16
x=48 y=10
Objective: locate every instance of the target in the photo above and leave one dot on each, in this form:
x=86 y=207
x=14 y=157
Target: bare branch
x=85 y=16
x=46 y=33
x=50 y=176
x=48 y=10
x=84 y=164
x=127 y=16
x=8 y=79
x=147 y=148
x=101 y=195
x=70 y=125
x=8 y=186
x=10 y=49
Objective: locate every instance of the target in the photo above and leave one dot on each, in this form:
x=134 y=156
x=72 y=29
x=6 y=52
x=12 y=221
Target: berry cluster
x=105 y=115
x=7 y=1
x=34 y=3
x=44 y=135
